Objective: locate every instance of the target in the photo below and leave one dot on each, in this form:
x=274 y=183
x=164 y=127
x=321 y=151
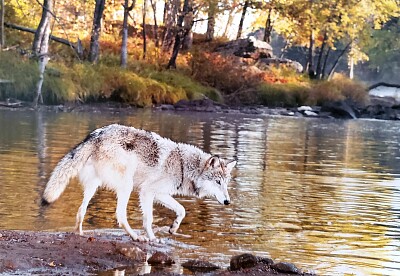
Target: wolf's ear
x=213 y=162
x=230 y=165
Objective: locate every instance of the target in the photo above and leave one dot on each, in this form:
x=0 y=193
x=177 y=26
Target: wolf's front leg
x=146 y=204
x=122 y=204
x=169 y=202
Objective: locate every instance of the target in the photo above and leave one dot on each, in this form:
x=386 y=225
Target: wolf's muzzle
x=227 y=202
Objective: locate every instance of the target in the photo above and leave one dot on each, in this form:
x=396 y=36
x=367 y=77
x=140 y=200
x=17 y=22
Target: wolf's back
x=68 y=167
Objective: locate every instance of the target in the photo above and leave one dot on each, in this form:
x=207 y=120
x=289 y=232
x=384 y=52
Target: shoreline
x=380 y=108
x=58 y=253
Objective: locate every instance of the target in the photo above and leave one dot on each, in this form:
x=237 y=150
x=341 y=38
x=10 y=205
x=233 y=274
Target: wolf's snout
x=227 y=202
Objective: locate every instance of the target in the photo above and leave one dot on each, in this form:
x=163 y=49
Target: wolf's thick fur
x=123 y=158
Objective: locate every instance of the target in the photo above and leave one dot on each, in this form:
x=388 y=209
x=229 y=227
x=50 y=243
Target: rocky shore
x=49 y=253
x=382 y=108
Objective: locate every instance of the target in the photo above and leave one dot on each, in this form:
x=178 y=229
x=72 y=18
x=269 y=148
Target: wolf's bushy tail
x=67 y=168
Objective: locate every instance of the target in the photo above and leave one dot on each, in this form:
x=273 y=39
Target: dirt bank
x=66 y=253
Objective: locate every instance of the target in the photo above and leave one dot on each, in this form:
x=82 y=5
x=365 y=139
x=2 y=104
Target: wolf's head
x=214 y=179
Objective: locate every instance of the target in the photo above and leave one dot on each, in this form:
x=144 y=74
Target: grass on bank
x=147 y=82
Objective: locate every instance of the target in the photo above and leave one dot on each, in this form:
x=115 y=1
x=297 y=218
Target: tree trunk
x=2 y=37
x=228 y=24
x=187 y=41
x=154 y=7
x=180 y=33
x=212 y=10
x=325 y=63
x=240 y=30
x=96 y=30
x=337 y=61
x=41 y=47
x=310 y=60
x=320 y=55
x=42 y=34
x=268 y=27
x=144 y=28
x=124 y=46
x=171 y=11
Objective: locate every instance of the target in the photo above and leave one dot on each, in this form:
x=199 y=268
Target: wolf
x=123 y=158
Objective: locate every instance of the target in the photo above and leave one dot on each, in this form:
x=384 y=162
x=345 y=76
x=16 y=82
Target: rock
x=310 y=113
x=265 y=63
x=285 y=267
x=200 y=266
x=166 y=107
x=246 y=48
x=243 y=261
x=339 y=109
x=304 y=108
x=381 y=112
x=265 y=260
x=133 y=253
x=160 y=258
x=385 y=90
x=384 y=101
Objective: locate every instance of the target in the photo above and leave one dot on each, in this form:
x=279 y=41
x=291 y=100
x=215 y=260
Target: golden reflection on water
x=324 y=194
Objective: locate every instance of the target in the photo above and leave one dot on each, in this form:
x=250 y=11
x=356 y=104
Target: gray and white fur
x=123 y=158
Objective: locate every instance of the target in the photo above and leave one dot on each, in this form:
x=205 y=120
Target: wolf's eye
x=218 y=182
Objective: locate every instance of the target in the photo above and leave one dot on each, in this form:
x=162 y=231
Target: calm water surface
x=323 y=194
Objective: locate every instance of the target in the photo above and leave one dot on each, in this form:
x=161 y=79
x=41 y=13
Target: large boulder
x=265 y=63
x=243 y=261
x=246 y=48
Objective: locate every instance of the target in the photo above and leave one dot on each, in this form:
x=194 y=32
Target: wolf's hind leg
x=89 y=191
x=169 y=202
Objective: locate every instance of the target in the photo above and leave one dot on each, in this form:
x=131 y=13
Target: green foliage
x=24 y=74
x=287 y=95
x=193 y=89
x=85 y=82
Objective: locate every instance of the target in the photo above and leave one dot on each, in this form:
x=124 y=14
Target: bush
x=340 y=88
x=287 y=95
x=24 y=74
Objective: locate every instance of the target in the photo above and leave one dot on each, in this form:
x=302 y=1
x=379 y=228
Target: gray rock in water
x=200 y=266
x=243 y=261
x=285 y=267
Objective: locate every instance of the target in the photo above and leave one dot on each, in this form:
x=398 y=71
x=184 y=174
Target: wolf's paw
x=79 y=232
x=157 y=241
x=142 y=238
x=163 y=229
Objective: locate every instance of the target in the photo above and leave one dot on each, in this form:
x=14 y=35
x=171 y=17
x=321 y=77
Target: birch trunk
x=41 y=48
x=2 y=37
x=96 y=30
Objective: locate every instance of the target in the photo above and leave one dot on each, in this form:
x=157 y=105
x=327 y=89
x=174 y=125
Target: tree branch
x=75 y=46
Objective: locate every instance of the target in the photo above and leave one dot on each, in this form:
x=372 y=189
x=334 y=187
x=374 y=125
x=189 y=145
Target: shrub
x=340 y=88
x=23 y=72
x=283 y=94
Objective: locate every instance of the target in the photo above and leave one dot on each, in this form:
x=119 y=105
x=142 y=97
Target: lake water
x=323 y=194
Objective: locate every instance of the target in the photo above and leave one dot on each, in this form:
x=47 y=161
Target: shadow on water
x=323 y=194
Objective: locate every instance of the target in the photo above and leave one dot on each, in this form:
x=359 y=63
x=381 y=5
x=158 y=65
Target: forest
x=149 y=52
